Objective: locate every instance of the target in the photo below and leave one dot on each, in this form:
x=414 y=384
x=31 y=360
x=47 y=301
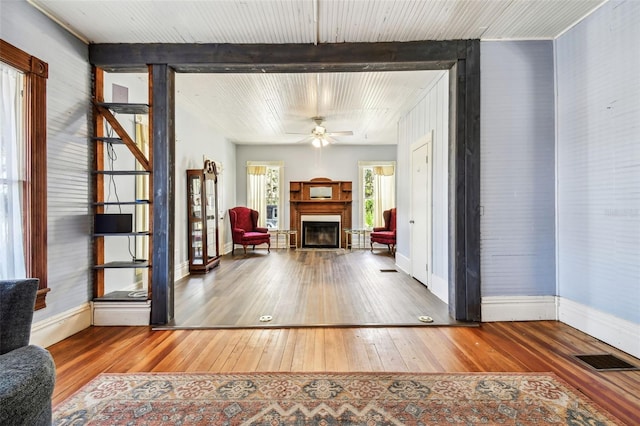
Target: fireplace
x=319 y=210
x=320 y=234
x=321 y=231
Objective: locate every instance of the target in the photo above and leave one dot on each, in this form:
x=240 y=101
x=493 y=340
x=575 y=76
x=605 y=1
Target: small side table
x=362 y=236
x=287 y=234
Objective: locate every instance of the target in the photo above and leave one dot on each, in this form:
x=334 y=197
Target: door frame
x=426 y=139
x=460 y=57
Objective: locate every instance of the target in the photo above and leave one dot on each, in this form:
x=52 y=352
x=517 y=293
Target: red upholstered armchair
x=387 y=234
x=245 y=230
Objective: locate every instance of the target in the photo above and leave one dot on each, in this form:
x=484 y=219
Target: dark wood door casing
x=461 y=57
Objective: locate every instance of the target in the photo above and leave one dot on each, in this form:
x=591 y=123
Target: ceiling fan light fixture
x=319 y=130
x=319 y=142
x=320 y=137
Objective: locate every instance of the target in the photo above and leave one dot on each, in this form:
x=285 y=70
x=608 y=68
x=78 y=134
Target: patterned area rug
x=328 y=399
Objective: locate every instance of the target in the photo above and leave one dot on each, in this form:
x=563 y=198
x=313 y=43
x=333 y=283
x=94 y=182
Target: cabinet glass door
x=196 y=220
x=203 y=221
x=211 y=212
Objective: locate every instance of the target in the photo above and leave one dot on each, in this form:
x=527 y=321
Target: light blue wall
x=68 y=165
x=517 y=192
x=598 y=81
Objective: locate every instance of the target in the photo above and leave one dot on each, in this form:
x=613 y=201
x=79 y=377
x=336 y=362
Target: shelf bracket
x=126 y=139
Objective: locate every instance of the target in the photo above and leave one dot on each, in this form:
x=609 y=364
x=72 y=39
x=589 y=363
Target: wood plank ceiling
x=264 y=108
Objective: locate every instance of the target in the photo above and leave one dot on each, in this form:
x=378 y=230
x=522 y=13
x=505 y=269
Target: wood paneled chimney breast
x=318 y=197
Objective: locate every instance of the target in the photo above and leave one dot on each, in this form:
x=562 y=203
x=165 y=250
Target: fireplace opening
x=321 y=234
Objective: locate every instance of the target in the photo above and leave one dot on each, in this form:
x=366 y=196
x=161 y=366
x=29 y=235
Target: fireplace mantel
x=320 y=196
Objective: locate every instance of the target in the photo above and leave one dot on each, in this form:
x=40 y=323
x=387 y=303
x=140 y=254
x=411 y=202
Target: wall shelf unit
x=129 y=172
x=124 y=108
x=106 y=139
x=122 y=264
x=122 y=203
x=130 y=234
x=122 y=172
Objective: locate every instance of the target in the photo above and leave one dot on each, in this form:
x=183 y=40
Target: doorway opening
x=460 y=57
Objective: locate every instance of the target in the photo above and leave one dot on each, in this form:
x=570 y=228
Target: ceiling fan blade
x=308 y=139
x=330 y=139
x=344 y=133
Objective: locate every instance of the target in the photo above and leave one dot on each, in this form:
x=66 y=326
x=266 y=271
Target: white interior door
x=420 y=217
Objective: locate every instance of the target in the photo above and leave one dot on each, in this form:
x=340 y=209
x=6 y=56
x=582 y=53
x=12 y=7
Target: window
x=264 y=189
x=23 y=163
x=377 y=186
x=12 y=161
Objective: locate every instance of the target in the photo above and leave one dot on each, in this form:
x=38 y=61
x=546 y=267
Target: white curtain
x=384 y=190
x=257 y=192
x=12 y=174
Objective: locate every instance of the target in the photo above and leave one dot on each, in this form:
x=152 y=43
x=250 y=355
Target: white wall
x=304 y=162
x=68 y=158
x=431 y=113
x=598 y=161
x=195 y=139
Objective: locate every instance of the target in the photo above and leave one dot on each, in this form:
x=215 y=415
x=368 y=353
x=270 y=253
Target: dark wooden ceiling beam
x=228 y=58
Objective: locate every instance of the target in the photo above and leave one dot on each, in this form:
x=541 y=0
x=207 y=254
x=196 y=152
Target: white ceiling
x=259 y=108
x=262 y=108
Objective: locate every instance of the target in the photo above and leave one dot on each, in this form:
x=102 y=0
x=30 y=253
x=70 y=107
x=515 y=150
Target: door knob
x=412 y=221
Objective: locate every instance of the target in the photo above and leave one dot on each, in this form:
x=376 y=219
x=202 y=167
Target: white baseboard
x=225 y=248
x=57 y=328
x=440 y=288
x=181 y=271
x=403 y=263
x=620 y=333
x=518 y=308
x=121 y=313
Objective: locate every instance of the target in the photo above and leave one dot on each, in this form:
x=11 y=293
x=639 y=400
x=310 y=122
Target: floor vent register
x=606 y=362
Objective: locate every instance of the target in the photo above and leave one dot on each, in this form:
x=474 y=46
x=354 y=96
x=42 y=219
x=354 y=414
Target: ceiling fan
x=320 y=136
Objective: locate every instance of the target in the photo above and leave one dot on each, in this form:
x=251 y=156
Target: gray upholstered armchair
x=27 y=372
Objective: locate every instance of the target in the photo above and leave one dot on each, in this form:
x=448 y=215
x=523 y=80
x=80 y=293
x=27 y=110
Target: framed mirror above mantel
x=320 y=197
x=320 y=189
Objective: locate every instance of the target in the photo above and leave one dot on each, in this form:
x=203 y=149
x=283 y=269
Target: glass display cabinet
x=202 y=222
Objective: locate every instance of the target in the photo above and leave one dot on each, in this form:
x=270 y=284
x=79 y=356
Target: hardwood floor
x=305 y=288
x=332 y=290
x=542 y=346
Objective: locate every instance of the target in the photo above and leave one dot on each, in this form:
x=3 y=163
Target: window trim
x=36 y=73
